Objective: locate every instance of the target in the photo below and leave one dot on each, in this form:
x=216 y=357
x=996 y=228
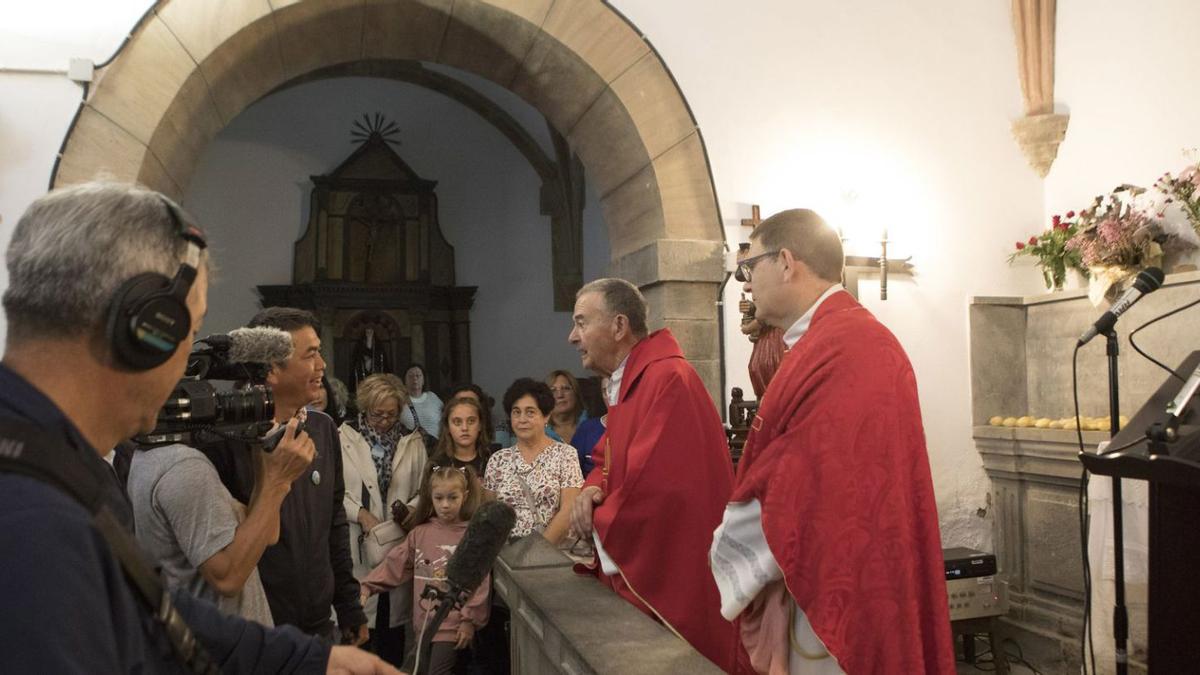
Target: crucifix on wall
x=754 y=219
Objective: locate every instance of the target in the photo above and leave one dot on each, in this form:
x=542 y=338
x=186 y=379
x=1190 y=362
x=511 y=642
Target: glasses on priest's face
x=746 y=267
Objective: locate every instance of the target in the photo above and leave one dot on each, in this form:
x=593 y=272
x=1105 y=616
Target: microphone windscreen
x=1149 y=280
x=486 y=534
x=259 y=345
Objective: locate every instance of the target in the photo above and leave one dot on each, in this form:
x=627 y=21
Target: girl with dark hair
x=463 y=442
x=472 y=390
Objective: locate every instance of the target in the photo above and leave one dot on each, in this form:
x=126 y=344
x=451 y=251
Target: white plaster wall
x=251 y=191
x=1131 y=94
x=36 y=109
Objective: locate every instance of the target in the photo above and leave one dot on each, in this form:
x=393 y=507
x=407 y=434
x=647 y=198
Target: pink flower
x=1020 y=246
x=1109 y=230
x=1056 y=220
x=1033 y=241
x=1070 y=214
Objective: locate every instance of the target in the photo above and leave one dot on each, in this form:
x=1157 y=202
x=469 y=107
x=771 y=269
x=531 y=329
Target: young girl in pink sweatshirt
x=448 y=498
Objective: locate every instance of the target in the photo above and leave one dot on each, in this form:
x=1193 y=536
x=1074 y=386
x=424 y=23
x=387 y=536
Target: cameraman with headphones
x=107 y=288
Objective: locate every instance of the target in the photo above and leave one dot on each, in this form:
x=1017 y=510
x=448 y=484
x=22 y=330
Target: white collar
x=614 y=382
x=798 y=329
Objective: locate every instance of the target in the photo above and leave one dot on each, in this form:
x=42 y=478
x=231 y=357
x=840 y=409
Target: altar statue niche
x=373 y=258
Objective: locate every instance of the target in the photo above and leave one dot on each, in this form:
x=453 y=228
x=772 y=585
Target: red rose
x=1033 y=241
x=1062 y=226
x=1020 y=246
x=1070 y=214
x=1056 y=220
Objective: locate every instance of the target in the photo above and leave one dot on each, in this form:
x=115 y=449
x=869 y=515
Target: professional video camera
x=196 y=410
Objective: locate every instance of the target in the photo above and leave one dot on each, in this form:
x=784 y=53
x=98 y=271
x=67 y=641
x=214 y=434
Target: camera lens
x=245 y=406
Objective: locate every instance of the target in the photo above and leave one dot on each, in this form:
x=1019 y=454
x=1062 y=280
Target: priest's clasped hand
x=581 y=510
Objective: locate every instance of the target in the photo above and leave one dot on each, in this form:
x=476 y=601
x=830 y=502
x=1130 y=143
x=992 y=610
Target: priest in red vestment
x=829 y=554
x=663 y=473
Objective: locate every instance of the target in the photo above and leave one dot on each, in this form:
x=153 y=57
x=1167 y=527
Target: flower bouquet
x=1116 y=238
x=1050 y=250
x=1182 y=192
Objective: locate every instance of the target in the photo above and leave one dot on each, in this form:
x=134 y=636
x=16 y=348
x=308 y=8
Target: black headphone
x=149 y=316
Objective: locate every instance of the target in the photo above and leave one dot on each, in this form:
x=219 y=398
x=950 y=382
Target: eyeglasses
x=561 y=390
x=746 y=267
x=382 y=417
x=528 y=414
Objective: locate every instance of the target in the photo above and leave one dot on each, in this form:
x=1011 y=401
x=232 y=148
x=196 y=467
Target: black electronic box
x=965 y=563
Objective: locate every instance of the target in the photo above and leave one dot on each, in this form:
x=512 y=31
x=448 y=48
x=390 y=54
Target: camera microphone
x=230 y=357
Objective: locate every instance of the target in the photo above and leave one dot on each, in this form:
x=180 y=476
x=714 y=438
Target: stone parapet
x=562 y=622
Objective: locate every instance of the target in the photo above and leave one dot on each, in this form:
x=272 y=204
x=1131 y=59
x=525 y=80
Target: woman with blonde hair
x=568 y=411
x=382 y=467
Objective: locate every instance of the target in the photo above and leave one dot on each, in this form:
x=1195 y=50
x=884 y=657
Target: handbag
x=427 y=439
x=377 y=541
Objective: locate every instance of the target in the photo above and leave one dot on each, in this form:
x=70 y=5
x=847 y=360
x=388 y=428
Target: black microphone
x=486 y=534
x=1147 y=281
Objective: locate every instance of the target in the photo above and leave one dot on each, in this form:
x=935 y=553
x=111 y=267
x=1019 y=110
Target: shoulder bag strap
x=29 y=451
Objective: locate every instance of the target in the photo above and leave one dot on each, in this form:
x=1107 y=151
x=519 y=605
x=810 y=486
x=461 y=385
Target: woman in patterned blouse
x=539 y=477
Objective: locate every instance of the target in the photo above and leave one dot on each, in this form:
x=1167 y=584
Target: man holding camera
x=107 y=286
x=207 y=542
x=310 y=568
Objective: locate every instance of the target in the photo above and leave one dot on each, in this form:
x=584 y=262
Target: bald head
x=809 y=238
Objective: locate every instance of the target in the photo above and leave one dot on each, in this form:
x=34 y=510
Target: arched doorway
x=191 y=66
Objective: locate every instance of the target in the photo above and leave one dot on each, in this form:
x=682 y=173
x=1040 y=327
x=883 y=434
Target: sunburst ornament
x=375 y=126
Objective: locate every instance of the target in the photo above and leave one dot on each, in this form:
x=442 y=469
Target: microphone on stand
x=486 y=534
x=1147 y=281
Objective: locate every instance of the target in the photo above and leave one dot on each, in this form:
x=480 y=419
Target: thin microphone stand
x=447 y=601
x=1120 y=615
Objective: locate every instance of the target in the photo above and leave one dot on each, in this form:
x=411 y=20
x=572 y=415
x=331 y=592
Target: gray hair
x=621 y=297
x=73 y=248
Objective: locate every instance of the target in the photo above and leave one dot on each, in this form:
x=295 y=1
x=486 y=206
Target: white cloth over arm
x=743 y=566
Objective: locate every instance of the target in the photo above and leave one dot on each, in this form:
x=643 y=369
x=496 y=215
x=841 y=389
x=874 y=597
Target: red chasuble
x=836 y=457
x=669 y=478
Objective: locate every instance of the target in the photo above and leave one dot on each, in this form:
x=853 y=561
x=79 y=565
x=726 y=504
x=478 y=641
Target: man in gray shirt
x=207 y=542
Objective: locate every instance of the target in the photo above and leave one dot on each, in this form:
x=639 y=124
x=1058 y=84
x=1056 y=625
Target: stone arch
x=191 y=66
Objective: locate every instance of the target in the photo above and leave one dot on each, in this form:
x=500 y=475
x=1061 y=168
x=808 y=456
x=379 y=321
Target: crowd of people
x=821 y=555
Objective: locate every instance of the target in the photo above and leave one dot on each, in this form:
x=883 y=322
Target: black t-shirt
x=479 y=464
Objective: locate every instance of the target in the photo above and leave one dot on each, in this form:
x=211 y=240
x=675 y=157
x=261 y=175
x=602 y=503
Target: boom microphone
x=1147 y=281
x=231 y=357
x=473 y=558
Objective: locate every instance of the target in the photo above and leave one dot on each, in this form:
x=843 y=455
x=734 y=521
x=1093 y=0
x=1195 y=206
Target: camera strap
x=29 y=451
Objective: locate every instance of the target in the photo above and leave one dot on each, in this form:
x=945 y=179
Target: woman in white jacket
x=381 y=467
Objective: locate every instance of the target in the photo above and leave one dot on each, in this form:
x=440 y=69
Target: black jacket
x=310 y=568
x=61 y=579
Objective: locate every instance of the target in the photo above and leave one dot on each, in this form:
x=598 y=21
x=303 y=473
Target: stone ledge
x=1176 y=279
x=1053 y=436
x=581 y=626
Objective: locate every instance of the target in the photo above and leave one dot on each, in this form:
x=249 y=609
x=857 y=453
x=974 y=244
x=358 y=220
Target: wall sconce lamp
x=858 y=265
